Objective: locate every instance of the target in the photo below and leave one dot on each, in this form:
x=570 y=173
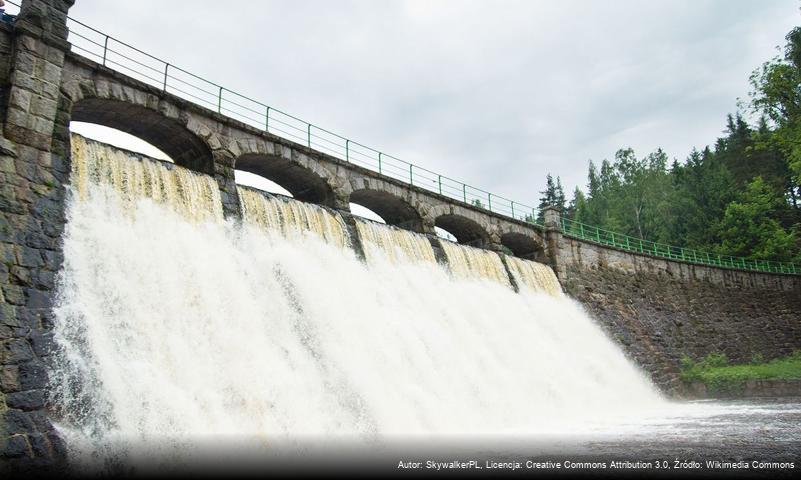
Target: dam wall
x=662 y=310
x=658 y=310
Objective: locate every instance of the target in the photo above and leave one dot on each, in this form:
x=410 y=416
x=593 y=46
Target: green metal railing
x=110 y=52
x=646 y=247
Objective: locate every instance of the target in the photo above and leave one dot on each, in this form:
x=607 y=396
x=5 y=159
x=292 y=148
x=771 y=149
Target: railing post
x=105 y=49
x=439 y=182
x=379 y=163
x=308 y=135
x=464 y=192
x=267 y=121
x=489 y=201
x=219 y=101
x=347 y=150
x=411 y=179
x=164 y=85
x=513 y=210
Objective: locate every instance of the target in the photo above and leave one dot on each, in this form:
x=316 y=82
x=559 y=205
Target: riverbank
x=714 y=377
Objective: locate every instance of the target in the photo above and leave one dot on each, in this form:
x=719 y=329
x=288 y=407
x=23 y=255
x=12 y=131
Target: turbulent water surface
x=176 y=328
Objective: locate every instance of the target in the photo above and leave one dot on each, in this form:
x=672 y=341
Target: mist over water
x=176 y=327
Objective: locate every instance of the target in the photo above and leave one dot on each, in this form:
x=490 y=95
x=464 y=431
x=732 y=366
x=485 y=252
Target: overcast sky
x=492 y=93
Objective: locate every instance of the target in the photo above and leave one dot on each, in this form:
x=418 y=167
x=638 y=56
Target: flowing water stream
x=175 y=327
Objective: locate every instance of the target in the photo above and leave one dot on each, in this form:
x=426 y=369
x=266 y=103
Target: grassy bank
x=720 y=376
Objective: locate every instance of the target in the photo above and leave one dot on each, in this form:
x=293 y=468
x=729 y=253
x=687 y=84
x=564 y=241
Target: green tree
x=749 y=227
x=552 y=196
x=776 y=92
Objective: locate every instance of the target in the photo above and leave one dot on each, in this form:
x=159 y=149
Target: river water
x=184 y=338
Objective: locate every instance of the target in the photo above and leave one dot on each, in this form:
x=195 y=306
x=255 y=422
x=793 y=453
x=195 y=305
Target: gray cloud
x=495 y=94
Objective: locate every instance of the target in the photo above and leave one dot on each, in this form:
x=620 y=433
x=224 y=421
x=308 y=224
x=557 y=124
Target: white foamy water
x=401 y=246
x=291 y=219
x=475 y=263
x=533 y=275
x=173 y=327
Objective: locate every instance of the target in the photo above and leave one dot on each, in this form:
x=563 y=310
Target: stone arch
x=466 y=230
x=166 y=134
x=303 y=183
x=523 y=245
x=393 y=209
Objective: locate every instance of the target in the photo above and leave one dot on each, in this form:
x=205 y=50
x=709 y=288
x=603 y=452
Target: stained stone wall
x=661 y=310
x=33 y=170
x=658 y=310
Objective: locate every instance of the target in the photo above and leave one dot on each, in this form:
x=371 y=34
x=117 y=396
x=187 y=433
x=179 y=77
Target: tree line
x=739 y=197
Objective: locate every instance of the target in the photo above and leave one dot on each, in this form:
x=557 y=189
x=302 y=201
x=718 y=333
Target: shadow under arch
x=394 y=210
x=466 y=231
x=522 y=245
x=304 y=184
x=180 y=144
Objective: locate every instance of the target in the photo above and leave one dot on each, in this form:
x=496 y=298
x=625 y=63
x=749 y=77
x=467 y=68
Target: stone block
x=15 y=446
x=16 y=116
x=20 y=98
x=51 y=73
x=43 y=106
x=32 y=375
x=18 y=422
x=26 y=401
x=9 y=378
x=24 y=64
x=53 y=259
x=42 y=342
x=15 y=350
x=7 y=165
x=37 y=298
x=8 y=314
x=29 y=257
x=14 y=295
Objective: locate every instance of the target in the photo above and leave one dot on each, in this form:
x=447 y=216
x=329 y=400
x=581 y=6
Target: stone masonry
x=658 y=310
x=34 y=167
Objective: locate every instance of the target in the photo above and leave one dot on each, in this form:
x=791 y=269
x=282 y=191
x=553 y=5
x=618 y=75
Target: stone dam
x=657 y=310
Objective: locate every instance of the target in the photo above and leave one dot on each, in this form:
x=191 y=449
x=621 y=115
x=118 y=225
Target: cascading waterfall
x=194 y=196
x=533 y=275
x=400 y=246
x=468 y=262
x=173 y=325
x=289 y=218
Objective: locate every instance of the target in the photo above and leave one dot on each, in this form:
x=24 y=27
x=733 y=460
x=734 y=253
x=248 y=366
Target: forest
x=739 y=197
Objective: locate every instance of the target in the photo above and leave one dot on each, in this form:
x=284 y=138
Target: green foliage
x=749 y=227
x=552 y=196
x=777 y=94
x=715 y=372
x=742 y=197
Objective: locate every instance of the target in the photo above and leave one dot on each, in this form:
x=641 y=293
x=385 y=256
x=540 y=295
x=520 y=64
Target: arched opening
x=165 y=134
x=364 y=212
x=250 y=179
x=466 y=231
x=297 y=180
x=444 y=234
x=118 y=138
x=393 y=210
x=522 y=245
